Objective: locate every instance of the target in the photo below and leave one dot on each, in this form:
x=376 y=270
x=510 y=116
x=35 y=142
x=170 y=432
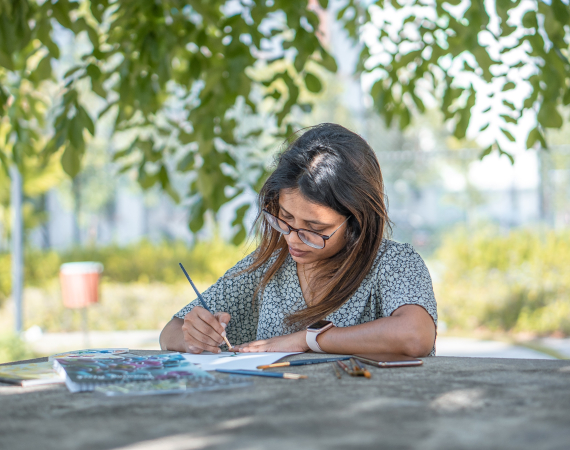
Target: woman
x=321 y=255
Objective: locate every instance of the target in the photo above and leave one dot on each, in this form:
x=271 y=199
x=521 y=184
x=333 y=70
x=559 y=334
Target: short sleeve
x=233 y=293
x=405 y=280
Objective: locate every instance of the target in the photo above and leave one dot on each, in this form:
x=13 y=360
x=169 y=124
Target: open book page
x=234 y=361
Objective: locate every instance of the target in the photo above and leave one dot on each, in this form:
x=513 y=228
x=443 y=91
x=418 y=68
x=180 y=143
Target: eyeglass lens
x=308 y=237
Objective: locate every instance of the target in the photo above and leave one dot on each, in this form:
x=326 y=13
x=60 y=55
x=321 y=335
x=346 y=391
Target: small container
x=80 y=283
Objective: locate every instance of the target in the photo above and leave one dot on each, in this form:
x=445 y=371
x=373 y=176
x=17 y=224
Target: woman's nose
x=294 y=239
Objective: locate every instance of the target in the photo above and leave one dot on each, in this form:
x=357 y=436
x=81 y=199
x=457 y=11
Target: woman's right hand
x=203 y=331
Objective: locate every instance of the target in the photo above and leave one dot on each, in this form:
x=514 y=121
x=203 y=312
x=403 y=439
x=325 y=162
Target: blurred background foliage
x=517 y=281
x=143 y=262
x=179 y=78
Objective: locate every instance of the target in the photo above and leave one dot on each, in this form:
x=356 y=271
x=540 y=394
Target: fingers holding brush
x=203 y=331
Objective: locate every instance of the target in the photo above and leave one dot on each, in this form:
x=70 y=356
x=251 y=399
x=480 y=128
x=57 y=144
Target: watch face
x=318 y=325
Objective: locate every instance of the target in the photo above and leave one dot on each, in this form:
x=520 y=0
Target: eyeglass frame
x=324 y=236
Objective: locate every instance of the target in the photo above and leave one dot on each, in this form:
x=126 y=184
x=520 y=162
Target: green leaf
x=509 y=105
x=42 y=71
x=548 y=115
x=6 y=60
x=197 y=216
x=529 y=20
x=146 y=180
x=72 y=71
x=508 y=119
x=535 y=136
x=4 y=96
x=561 y=12
x=507 y=154
x=71 y=161
x=61 y=11
x=486 y=152
x=566 y=98
x=509 y=136
x=85 y=120
x=405 y=118
x=75 y=133
x=313 y=83
x=43 y=30
x=508 y=86
x=328 y=61
x=98 y=8
x=186 y=163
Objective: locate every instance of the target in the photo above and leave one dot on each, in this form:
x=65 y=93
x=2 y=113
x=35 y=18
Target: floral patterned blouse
x=398 y=277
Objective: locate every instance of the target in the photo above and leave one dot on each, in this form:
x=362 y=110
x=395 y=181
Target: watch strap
x=312 y=341
x=311 y=337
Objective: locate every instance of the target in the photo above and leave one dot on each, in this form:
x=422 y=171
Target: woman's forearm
x=409 y=330
x=171 y=337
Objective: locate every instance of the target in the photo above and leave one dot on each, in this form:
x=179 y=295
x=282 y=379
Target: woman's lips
x=297 y=253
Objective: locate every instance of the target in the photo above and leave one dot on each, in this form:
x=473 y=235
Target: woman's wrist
x=303 y=341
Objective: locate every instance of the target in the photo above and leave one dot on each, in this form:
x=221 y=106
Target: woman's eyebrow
x=308 y=221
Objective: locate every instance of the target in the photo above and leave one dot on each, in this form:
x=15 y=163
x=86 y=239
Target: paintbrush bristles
x=293 y=376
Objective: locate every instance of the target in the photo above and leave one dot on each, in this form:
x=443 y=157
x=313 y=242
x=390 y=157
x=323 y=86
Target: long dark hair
x=334 y=167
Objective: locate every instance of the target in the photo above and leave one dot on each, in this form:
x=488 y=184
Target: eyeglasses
x=311 y=238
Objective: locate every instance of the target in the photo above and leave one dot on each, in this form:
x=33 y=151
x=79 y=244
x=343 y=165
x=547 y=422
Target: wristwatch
x=314 y=330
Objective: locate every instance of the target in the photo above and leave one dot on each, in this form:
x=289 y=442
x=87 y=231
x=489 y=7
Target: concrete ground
x=446 y=404
x=50 y=343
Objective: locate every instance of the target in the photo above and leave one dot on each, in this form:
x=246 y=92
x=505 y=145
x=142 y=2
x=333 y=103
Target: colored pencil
x=204 y=304
x=344 y=367
x=337 y=372
x=255 y=373
x=303 y=362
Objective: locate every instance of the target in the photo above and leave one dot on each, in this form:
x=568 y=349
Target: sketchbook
x=235 y=361
x=90 y=353
x=173 y=386
x=30 y=374
x=85 y=374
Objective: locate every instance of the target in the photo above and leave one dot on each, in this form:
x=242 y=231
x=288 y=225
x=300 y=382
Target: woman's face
x=299 y=212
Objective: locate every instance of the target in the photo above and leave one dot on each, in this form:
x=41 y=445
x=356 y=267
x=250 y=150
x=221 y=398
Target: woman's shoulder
x=392 y=252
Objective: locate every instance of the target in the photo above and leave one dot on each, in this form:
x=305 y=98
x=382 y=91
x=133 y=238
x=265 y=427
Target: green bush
x=141 y=262
x=516 y=281
x=13 y=348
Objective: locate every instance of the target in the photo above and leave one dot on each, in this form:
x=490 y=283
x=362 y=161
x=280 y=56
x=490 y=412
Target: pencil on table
x=344 y=367
x=337 y=372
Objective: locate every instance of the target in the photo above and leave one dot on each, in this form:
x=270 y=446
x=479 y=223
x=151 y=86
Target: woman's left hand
x=295 y=342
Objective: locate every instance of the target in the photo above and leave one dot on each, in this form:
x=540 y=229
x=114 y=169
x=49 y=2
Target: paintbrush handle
x=269 y=366
x=290 y=376
x=204 y=304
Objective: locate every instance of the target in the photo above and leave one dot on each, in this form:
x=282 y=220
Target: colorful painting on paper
x=129 y=368
x=90 y=353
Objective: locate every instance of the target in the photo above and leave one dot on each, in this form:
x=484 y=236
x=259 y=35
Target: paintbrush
x=202 y=300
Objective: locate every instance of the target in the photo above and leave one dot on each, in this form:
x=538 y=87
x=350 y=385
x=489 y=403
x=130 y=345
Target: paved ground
x=447 y=404
x=50 y=343
x=452 y=346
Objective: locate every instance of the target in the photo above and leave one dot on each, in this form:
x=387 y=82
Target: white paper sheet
x=231 y=361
